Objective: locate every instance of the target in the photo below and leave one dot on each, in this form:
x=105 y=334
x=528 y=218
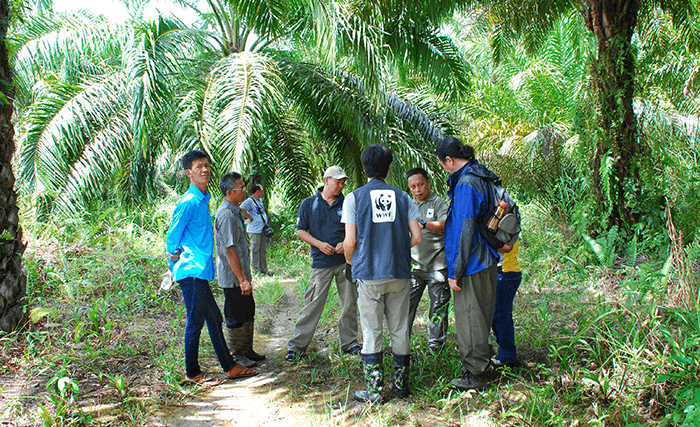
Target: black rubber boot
x=375 y=381
x=236 y=340
x=399 y=383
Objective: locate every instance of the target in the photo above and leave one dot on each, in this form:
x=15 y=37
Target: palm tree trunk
x=613 y=23
x=13 y=283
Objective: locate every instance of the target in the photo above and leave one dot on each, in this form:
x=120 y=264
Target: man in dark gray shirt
x=428 y=257
x=318 y=224
x=233 y=271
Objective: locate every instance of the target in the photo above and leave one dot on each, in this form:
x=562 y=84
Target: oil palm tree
x=278 y=89
x=14 y=283
x=614 y=135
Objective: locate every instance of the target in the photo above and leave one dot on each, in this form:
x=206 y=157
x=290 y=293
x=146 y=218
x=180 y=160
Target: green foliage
x=105 y=112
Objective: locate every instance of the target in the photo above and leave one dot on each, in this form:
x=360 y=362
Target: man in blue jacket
x=471 y=262
x=381 y=225
x=189 y=246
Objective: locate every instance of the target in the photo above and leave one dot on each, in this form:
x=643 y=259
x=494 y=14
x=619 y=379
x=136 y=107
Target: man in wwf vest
x=381 y=226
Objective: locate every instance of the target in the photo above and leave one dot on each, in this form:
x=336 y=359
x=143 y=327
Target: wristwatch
x=422 y=224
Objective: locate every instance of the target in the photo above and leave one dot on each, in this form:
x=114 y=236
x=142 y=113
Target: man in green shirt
x=428 y=257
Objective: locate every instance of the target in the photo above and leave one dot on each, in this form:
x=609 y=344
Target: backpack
x=508 y=228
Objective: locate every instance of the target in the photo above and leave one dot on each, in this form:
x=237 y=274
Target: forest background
x=588 y=110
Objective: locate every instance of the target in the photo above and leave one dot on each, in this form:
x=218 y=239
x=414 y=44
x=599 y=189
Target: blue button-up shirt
x=192 y=233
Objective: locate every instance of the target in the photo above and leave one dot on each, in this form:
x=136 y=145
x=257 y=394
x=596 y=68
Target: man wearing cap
x=318 y=224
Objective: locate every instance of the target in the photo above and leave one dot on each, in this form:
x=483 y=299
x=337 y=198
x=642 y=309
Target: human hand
x=326 y=248
x=506 y=248
x=174 y=257
x=453 y=285
x=246 y=288
x=339 y=248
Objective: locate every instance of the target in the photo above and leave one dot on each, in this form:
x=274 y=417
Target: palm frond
x=93 y=173
x=241 y=88
x=60 y=131
x=267 y=18
x=286 y=148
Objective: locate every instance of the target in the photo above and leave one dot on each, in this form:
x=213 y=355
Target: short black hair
x=376 y=160
x=453 y=147
x=228 y=182
x=416 y=171
x=190 y=157
x=255 y=188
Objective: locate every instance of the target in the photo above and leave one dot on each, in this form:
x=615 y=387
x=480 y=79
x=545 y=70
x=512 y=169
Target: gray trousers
x=315 y=299
x=258 y=252
x=390 y=300
x=473 y=307
x=439 y=292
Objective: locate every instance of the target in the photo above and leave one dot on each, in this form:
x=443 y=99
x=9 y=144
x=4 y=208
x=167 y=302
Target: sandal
x=240 y=371
x=202 y=380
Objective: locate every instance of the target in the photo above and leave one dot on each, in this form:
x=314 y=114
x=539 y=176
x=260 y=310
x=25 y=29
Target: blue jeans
x=506 y=288
x=201 y=306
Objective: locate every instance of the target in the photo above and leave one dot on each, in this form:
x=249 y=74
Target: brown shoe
x=239 y=371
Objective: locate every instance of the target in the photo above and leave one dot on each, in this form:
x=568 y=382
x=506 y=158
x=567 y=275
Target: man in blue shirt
x=254 y=207
x=381 y=226
x=318 y=224
x=189 y=246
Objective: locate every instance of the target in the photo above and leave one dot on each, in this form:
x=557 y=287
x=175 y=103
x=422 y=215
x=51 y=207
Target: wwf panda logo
x=383 y=205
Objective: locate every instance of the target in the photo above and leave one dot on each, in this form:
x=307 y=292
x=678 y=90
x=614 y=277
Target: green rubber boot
x=399 y=383
x=375 y=381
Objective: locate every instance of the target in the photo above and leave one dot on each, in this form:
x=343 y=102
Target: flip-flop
x=202 y=380
x=239 y=371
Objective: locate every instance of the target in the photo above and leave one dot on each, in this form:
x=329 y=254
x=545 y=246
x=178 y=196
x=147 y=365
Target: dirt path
x=255 y=401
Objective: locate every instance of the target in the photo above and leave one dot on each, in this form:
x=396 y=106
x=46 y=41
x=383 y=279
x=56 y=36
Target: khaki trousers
x=473 y=307
x=390 y=300
x=258 y=252
x=315 y=298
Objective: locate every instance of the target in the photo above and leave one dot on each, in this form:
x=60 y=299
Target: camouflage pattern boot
x=236 y=339
x=249 y=330
x=375 y=381
x=399 y=383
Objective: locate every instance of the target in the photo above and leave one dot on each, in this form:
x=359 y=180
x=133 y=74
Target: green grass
x=601 y=343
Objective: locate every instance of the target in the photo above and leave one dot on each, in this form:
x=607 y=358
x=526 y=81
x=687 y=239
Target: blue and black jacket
x=465 y=250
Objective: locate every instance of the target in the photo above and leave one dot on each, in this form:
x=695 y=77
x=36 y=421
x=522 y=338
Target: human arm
x=350 y=241
x=324 y=247
x=235 y=263
x=468 y=202
x=414 y=228
x=181 y=217
x=348 y=218
x=248 y=209
x=435 y=226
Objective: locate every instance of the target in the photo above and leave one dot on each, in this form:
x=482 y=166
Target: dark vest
x=383 y=248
